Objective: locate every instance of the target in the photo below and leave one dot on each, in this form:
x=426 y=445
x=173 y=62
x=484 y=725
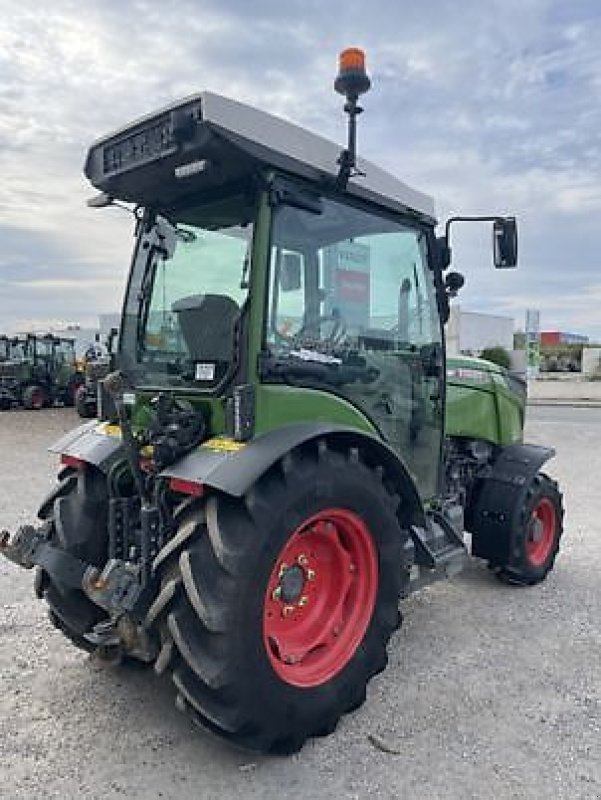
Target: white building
x=469 y=332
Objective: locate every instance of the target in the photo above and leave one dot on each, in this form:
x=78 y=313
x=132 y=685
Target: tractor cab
x=262 y=269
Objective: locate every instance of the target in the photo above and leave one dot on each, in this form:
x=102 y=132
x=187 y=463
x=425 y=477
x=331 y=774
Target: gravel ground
x=490 y=691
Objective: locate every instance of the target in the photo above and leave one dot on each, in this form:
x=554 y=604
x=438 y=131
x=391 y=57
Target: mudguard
x=498 y=499
x=93 y=442
x=233 y=467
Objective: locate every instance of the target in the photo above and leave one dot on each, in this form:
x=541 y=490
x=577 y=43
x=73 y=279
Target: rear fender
x=233 y=467
x=95 y=443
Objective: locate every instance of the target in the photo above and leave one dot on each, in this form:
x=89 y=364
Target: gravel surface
x=491 y=691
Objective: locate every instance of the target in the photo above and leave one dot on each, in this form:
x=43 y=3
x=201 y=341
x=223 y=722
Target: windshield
x=64 y=352
x=186 y=297
x=18 y=350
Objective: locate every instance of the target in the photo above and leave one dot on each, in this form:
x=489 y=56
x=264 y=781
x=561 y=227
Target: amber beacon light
x=352 y=79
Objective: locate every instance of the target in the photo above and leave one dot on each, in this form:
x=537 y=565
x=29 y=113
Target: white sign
x=205 y=372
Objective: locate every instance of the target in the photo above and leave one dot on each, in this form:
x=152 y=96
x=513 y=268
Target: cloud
x=487 y=106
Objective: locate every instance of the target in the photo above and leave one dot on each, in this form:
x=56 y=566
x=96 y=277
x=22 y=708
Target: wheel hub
x=292 y=583
x=541 y=532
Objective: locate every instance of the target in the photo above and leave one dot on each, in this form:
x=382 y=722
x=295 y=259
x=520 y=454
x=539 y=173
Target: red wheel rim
x=320 y=597
x=541 y=532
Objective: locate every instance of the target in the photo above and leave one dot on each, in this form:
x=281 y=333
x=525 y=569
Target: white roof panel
x=307 y=149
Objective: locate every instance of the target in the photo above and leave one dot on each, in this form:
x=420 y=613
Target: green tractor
x=19 y=375
x=40 y=370
x=271 y=472
x=97 y=367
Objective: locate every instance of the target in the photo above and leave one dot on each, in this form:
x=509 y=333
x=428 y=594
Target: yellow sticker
x=106 y=429
x=223 y=445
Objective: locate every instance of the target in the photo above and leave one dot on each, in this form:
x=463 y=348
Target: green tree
x=498 y=355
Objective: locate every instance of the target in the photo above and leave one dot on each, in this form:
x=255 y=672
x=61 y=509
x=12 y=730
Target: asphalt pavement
x=491 y=691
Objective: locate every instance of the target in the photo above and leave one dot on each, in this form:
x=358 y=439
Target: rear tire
x=536 y=537
x=34 y=398
x=77 y=511
x=231 y=605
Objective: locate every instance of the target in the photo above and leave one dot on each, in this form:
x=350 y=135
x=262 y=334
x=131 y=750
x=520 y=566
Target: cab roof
x=207 y=140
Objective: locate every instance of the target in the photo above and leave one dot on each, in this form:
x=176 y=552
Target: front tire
x=536 y=537
x=275 y=609
x=85 y=409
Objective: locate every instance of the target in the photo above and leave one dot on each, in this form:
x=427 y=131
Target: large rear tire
x=275 y=609
x=77 y=511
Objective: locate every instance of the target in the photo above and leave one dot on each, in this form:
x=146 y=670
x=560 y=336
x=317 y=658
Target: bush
x=498 y=355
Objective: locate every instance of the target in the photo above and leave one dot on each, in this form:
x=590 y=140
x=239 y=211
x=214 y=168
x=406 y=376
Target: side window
x=287 y=294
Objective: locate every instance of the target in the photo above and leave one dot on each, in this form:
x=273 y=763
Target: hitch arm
x=29 y=547
x=117 y=589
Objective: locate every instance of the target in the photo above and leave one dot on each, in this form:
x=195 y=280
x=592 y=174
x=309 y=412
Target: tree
x=498 y=355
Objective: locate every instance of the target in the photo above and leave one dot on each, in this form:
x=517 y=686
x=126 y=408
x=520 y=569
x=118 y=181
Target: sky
x=490 y=106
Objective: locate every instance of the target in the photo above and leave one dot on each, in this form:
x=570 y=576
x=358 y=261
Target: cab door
x=364 y=313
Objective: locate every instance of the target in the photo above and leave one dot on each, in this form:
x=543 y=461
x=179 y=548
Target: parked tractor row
x=37 y=371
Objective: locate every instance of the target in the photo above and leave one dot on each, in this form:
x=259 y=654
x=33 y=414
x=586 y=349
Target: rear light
x=186 y=487
x=72 y=461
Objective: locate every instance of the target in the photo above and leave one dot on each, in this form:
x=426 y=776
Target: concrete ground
x=491 y=691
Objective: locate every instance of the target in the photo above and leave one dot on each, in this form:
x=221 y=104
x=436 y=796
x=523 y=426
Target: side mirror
x=505 y=242
x=290 y=272
x=453 y=282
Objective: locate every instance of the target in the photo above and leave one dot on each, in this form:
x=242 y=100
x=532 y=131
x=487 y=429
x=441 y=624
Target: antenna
x=352 y=81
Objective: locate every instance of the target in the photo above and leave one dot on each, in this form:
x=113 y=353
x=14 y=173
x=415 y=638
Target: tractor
x=271 y=472
x=97 y=366
x=19 y=375
x=39 y=371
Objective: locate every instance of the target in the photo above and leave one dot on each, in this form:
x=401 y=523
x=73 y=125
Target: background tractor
x=97 y=365
x=271 y=471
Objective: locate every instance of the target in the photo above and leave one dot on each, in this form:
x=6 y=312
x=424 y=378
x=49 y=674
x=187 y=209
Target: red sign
x=352 y=286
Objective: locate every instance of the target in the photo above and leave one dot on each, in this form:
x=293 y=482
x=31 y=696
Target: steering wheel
x=336 y=335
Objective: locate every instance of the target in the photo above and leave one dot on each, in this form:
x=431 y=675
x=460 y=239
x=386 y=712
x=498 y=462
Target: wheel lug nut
x=287 y=610
x=302 y=560
x=277 y=593
x=310 y=574
x=282 y=570
x=303 y=601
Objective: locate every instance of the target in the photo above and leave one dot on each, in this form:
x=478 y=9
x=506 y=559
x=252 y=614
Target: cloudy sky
x=488 y=105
